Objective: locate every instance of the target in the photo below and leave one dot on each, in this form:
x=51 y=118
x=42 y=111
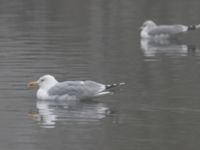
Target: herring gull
x=150 y=29
x=51 y=89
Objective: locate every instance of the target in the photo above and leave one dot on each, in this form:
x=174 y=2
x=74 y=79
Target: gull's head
x=148 y=24
x=46 y=81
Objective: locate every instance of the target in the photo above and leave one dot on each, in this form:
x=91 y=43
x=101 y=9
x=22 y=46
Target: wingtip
x=109 y=86
x=193 y=27
x=198 y=26
x=122 y=83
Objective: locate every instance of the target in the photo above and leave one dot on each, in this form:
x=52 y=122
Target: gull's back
x=167 y=30
x=79 y=89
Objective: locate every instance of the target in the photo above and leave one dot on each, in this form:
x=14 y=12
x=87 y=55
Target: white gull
x=150 y=29
x=51 y=89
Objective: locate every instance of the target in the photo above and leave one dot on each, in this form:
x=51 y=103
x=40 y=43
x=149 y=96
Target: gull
x=51 y=89
x=150 y=29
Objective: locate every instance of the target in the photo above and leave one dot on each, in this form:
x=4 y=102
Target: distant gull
x=51 y=89
x=150 y=29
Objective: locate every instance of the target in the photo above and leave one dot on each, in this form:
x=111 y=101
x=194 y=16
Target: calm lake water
x=158 y=109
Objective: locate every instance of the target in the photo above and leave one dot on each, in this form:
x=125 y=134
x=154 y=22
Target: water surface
x=158 y=109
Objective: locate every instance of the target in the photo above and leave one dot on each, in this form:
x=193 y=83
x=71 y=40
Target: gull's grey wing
x=94 y=86
x=77 y=88
x=167 y=29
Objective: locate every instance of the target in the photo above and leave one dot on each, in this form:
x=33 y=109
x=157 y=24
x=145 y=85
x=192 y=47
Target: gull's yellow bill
x=33 y=84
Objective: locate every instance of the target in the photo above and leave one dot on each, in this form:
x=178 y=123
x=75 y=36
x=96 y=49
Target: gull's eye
x=42 y=80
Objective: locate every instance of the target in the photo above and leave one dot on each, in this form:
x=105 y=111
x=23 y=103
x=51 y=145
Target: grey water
x=157 y=109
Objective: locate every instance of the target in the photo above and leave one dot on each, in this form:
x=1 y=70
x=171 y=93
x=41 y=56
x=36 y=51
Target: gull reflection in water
x=171 y=47
x=50 y=112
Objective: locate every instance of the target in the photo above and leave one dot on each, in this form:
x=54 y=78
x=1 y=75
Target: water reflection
x=50 y=112
x=170 y=47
